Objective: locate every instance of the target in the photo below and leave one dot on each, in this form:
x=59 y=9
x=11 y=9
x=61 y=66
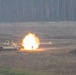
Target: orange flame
x=30 y=42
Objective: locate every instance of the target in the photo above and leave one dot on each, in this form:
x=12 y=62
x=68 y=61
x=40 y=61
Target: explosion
x=30 y=42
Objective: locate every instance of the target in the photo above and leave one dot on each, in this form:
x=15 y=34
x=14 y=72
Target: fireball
x=30 y=42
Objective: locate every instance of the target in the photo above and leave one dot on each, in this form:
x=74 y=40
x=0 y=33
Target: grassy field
x=58 y=58
x=13 y=72
x=38 y=63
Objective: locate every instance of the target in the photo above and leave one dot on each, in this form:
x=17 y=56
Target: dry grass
x=40 y=62
x=55 y=60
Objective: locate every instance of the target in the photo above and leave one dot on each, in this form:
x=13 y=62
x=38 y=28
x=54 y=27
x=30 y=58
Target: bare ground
x=59 y=58
x=49 y=62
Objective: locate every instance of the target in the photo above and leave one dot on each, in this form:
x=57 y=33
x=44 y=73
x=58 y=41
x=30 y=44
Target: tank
x=9 y=46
